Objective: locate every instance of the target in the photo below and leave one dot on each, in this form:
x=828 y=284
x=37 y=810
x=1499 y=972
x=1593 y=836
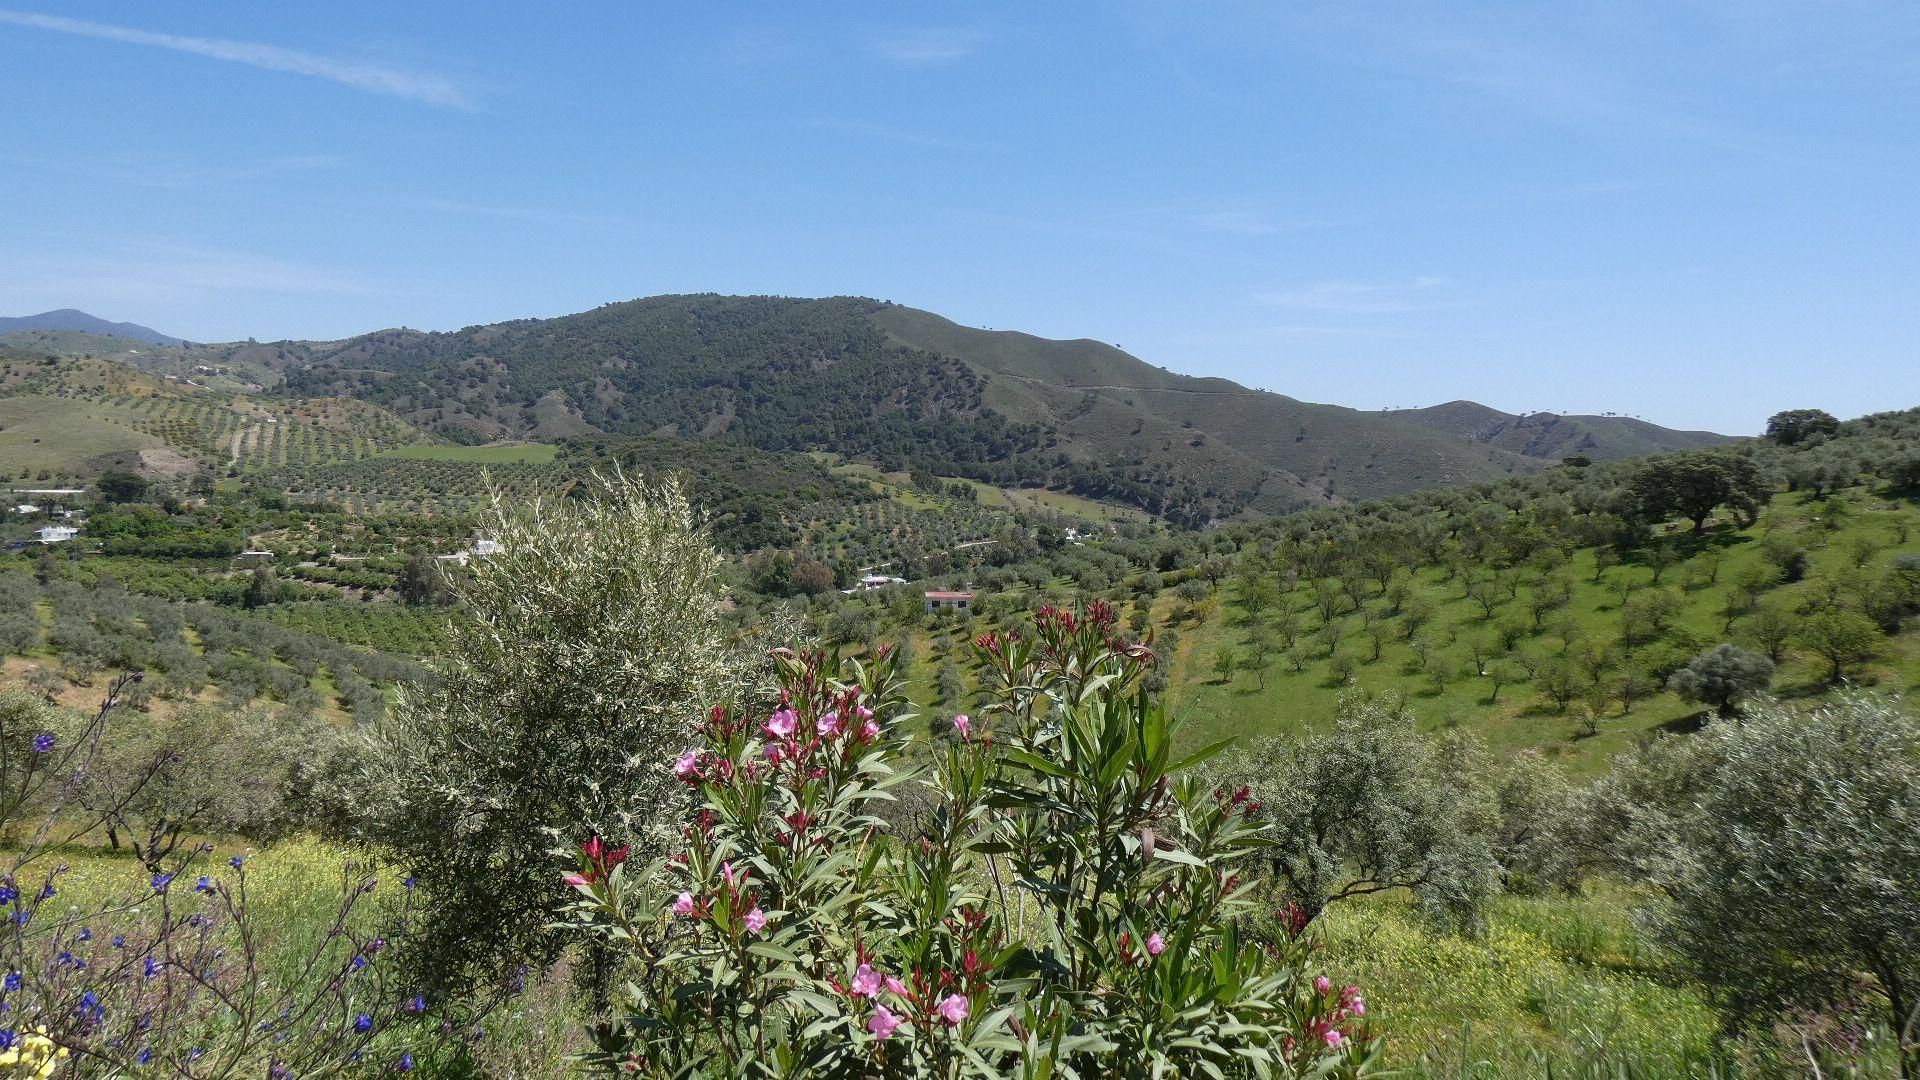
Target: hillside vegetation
x=903 y=390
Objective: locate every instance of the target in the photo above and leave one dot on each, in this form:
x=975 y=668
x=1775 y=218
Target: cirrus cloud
x=416 y=86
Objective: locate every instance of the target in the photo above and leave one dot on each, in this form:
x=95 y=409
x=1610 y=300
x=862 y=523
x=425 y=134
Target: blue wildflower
x=8 y=894
x=406 y=1062
x=119 y=941
x=160 y=882
x=203 y=884
x=417 y=1003
x=237 y=861
x=359 y=961
x=363 y=1023
x=13 y=980
x=152 y=968
x=43 y=742
x=409 y=882
x=6 y=1039
x=86 y=934
x=144 y=1056
x=46 y=891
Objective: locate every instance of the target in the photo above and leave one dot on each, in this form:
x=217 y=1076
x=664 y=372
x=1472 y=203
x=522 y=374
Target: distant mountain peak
x=73 y=319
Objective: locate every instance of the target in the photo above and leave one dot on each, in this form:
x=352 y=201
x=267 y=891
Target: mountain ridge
x=73 y=319
x=898 y=387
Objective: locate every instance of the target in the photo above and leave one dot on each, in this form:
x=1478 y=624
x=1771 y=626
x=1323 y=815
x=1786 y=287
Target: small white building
x=956 y=601
x=483 y=547
x=54 y=534
x=880 y=581
x=26 y=508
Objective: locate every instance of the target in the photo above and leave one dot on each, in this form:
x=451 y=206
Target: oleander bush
x=1068 y=899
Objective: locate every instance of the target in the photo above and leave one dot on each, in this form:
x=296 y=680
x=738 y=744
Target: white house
x=53 y=534
x=26 y=508
x=958 y=601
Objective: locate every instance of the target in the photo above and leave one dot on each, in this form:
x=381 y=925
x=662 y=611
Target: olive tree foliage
x=1374 y=806
x=202 y=769
x=1722 y=676
x=1786 y=852
x=588 y=648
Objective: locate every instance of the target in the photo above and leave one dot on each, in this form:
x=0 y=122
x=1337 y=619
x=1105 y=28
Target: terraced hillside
x=72 y=418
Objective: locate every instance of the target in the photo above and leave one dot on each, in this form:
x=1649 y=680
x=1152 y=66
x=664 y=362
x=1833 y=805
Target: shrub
x=1071 y=903
x=173 y=976
x=1787 y=848
x=588 y=640
x=1375 y=806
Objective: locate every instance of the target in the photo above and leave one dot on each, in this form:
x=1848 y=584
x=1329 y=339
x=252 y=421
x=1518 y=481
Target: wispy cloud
x=160 y=273
x=867 y=129
x=1357 y=298
x=534 y=214
x=1248 y=221
x=932 y=45
x=413 y=85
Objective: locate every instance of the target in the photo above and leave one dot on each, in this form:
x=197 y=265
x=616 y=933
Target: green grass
x=1293 y=701
x=1553 y=981
x=501 y=454
x=61 y=436
x=1061 y=502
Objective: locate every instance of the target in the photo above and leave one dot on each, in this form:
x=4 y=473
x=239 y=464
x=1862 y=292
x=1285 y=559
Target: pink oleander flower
x=869 y=731
x=953 y=1009
x=756 y=921
x=574 y=879
x=1323 y=984
x=772 y=752
x=687 y=766
x=683 y=904
x=961 y=724
x=783 y=723
x=866 y=981
x=829 y=724
x=1334 y=1038
x=896 y=986
x=726 y=871
x=1156 y=944
x=883 y=1022
x=1357 y=1007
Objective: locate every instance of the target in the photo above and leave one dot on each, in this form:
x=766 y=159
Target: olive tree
x=1721 y=676
x=1786 y=851
x=588 y=647
x=1374 y=806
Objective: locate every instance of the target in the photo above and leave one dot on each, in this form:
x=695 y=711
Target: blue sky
x=1696 y=212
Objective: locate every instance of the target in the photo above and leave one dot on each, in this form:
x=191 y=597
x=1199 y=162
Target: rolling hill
x=908 y=390
x=1552 y=435
x=68 y=319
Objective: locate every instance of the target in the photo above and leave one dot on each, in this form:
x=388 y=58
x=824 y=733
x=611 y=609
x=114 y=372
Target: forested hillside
x=903 y=390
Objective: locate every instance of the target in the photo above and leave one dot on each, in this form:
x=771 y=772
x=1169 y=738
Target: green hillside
x=72 y=418
x=894 y=387
x=1109 y=401
x=1550 y=435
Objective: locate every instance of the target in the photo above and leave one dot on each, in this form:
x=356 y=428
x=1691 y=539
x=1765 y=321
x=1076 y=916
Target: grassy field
x=502 y=454
x=1279 y=699
x=60 y=436
x=1060 y=502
